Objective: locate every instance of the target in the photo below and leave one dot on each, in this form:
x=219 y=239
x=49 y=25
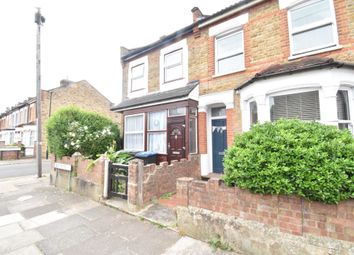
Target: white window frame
x=177 y=115
x=137 y=93
x=164 y=86
x=321 y=48
x=148 y=130
x=166 y=67
x=225 y=35
x=134 y=132
x=350 y=106
x=196 y=134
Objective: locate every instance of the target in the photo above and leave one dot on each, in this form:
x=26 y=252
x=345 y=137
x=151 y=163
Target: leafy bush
x=307 y=159
x=72 y=130
x=120 y=157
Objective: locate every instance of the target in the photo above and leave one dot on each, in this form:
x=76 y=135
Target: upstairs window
x=343 y=110
x=229 y=54
x=312 y=26
x=173 y=66
x=303 y=106
x=137 y=78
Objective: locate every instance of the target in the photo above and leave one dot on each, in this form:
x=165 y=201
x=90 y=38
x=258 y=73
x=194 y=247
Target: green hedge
x=292 y=157
x=72 y=130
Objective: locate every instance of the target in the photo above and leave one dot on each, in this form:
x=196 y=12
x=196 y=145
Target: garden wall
x=151 y=181
x=87 y=182
x=263 y=224
x=10 y=153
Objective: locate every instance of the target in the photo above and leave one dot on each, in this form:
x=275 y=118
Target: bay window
x=253 y=112
x=134 y=132
x=303 y=106
x=343 y=112
x=312 y=26
x=156 y=133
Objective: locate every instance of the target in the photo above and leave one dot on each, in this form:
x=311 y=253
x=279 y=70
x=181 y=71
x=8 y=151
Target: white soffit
x=289 y=3
x=229 y=25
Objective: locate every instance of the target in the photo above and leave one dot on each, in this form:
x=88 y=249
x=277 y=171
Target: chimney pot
x=197 y=14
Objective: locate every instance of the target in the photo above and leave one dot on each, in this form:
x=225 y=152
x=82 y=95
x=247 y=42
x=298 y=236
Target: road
x=21 y=168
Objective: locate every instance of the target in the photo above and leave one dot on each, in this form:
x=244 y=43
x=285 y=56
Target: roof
x=305 y=64
x=132 y=53
x=19 y=105
x=64 y=84
x=158 y=97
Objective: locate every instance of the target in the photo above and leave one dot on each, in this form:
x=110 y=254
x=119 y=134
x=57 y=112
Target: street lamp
x=39 y=20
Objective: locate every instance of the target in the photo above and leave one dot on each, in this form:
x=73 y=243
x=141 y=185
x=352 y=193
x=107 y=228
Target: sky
x=81 y=40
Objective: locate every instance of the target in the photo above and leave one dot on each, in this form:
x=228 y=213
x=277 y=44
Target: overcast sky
x=81 y=40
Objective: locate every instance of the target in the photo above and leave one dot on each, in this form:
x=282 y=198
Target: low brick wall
x=151 y=181
x=87 y=182
x=275 y=223
x=9 y=153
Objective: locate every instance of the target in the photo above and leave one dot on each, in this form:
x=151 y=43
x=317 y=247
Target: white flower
x=85 y=127
x=72 y=143
x=66 y=146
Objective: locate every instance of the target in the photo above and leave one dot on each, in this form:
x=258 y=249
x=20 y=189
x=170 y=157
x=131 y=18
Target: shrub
x=308 y=159
x=72 y=130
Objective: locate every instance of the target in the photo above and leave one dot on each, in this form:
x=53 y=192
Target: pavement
x=36 y=218
x=21 y=167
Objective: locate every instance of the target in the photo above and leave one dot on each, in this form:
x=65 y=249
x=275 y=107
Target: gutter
x=289 y=72
x=133 y=107
x=231 y=12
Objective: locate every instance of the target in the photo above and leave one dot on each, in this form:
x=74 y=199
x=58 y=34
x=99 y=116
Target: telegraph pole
x=39 y=20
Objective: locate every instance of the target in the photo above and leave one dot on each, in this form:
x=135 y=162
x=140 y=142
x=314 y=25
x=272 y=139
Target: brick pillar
x=202 y=132
x=230 y=126
x=135 y=184
x=183 y=190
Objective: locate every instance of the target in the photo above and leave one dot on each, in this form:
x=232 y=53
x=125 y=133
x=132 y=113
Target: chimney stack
x=197 y=14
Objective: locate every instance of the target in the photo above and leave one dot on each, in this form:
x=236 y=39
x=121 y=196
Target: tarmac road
x=23 y=167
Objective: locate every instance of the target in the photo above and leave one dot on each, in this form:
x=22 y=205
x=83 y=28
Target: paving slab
x=97 y=212
x=18 y=241
x=190 y=246
x=106 y=244
x=161 y=214
x=10 y=230
x=29 y=250
x=16 y=206
x=30 y=213
x=10 y=218
x=42 y=219
x=62 y=225
x=65 y=240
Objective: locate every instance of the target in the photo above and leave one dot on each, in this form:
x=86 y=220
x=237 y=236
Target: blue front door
x=219 y=144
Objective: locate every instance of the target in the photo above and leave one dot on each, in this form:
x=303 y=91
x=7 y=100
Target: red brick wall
x=160 y=179
x=288 y=213
x=94 y=175
x=202 y=131
x=9 y=155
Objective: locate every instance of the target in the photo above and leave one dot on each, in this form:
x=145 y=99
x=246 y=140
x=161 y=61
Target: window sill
x=315 y=52
x=224 y=74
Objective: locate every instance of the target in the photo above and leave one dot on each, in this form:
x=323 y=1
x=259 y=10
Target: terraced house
x=258 y=60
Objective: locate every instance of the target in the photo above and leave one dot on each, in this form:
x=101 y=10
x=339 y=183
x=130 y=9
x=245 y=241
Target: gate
x=118 y=180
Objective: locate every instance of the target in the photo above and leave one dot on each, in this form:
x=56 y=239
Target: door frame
x=176 y=120
x=210 y=132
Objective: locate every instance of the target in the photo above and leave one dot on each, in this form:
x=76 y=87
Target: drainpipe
x=49 y=114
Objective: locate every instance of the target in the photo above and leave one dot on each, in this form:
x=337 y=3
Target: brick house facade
x=241 y=59
x=81 y=94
